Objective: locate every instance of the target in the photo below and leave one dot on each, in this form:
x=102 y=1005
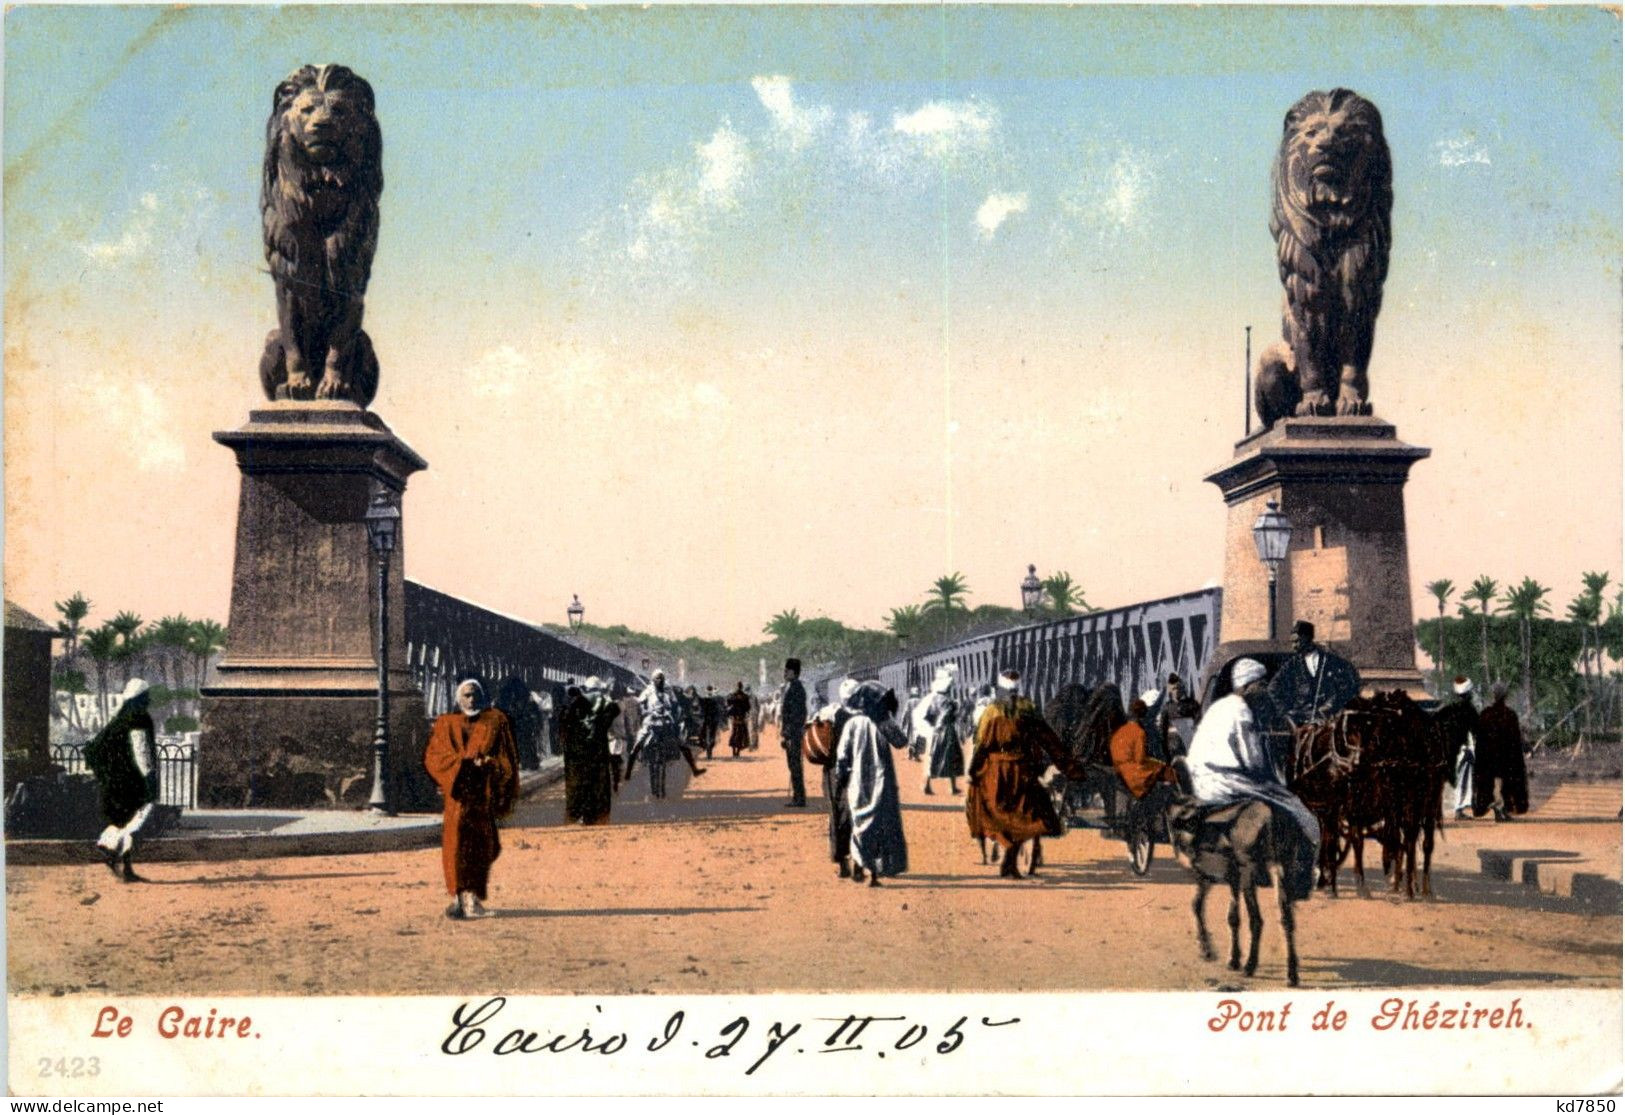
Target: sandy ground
x=722 y=889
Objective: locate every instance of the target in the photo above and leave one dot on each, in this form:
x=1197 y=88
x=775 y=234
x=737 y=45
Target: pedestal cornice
x=1317 y=450
x=325 y=437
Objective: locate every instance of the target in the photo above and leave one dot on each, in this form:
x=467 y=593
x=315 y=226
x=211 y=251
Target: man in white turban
x=1229 y=761
x=124 y=759
x=938 y=718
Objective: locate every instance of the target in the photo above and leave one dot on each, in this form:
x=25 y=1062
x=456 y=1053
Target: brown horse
x=1378 y=769
x=1414 y=785
x=1333 y=770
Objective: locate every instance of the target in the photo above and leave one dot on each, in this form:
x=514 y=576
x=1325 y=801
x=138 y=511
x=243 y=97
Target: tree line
x=1558 y=666
x=172 y=655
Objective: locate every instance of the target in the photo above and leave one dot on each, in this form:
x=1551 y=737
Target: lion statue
x=319 y=204
x=1333 y=185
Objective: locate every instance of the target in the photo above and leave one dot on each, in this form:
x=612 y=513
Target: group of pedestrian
x=1492 y=758
x=473 y=758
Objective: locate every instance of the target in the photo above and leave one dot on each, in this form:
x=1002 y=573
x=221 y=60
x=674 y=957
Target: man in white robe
x=863 y=764
x=1229 y=761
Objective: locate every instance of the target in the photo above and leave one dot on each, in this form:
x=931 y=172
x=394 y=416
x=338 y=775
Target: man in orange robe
x=473 y=759
x=1006 y=799
x=1129 y=751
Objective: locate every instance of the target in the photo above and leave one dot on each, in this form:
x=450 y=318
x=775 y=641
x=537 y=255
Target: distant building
x=26 y=695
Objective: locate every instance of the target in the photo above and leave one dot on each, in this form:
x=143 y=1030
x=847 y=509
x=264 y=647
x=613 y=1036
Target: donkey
x=1242 y=846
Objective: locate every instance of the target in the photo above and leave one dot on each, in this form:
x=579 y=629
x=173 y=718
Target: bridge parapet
x=449 y=639
x=1136 y=647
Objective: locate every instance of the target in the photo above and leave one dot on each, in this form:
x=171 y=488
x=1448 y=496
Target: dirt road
x=722 y=889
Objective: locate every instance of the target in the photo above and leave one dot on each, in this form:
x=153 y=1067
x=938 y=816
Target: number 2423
x=70 y=1067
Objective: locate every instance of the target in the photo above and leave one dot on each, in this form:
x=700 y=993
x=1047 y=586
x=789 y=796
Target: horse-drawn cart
x=1140 y=823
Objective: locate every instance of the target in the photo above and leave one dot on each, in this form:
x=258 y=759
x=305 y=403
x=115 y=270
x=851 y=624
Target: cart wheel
x=1140 y=846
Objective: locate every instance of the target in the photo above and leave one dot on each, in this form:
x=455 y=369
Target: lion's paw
x=1313 y=403
x=333 y=387
x=1352 y=405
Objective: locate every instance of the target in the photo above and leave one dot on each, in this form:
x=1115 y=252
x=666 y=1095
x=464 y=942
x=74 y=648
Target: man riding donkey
x=1230 y=760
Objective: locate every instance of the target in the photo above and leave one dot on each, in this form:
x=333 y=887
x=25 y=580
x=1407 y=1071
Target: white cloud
x=135 y=240
x=160 y=227
x=141 y=418
x=1115 y=195
x=679 y=202
x=709 y=396
x=949 y=128
x=724 y=159
x=499 y=373
x=1462 y=150
x=995 y=210
x=818 y=155
x=797 y=124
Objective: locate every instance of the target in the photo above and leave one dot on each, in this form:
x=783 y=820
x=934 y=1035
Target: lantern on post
x=1272 y=534
x=383 y=520
x=576 y=612
x=1032 y=590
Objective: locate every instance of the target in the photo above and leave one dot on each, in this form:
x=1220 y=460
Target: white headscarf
x=1245 y=671
x=480 y=688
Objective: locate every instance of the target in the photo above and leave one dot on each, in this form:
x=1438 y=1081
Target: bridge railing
x=1136 y=647
x=449 y=639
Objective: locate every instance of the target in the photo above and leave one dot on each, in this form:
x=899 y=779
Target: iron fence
x=177 y=769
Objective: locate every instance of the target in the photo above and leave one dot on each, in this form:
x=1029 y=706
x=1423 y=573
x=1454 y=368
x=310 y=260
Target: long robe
x=738 y=717
x=944 y=758
x=1005 y=798
x=660 y=733
x=1229 y=761
x=1499 y=755
x=834 y=718
x=587 y=784
x=125 y=787
x=476 y=795
x=863 y=763
x=1138 y=770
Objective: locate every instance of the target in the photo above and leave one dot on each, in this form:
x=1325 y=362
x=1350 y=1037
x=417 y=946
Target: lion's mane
x=1333 y=198
x=319 y=207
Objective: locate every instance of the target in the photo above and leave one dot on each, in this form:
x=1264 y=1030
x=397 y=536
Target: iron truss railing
x=448 y=639
x=1136 y=647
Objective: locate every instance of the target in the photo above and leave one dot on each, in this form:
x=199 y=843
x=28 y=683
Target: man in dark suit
x=792 y=705
x=1314 y=683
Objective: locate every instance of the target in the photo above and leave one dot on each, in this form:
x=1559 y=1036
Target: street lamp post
x=383 y=521
x=575 y=611
x=1272 y=534
x=1032 y=590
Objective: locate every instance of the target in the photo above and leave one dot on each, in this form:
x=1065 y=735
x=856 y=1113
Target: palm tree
x=74 y=610
x=101 y=644
x=206 y=638
x=1585 y=611
x=904 y=622
x=1525 y=601
x=1065 y=595
x=129 y=629
x=947 y=593
x=1596 y=584
x=1483 y=593
x=785 y=626
x=1441 y=590
x=173 y=635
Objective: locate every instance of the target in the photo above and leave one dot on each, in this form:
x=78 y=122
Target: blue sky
x=811 y=263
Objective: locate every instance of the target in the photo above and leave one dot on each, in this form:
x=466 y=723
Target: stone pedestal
x=1341 y=483
x=289 y=721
